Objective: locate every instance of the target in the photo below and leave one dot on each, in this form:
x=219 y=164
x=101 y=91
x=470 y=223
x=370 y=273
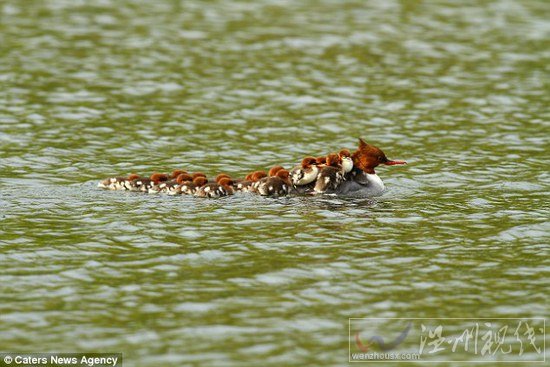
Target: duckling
x=171 y=187
x=278 y=185
x=243 y=185
x=175 y=189
x=198 y=174
x=220 y=176
x=129 y=183
x=260 y=180
x=216 y=190
x=255 y=178
x=305 y=173
x=113 y=183
x=176 y=173
x=331 y=176
x=119 y=183
x=258 y=175
x=156 y=180
x=190 y=183
x=191 y=187
x=273 y=171
x=347 y=161
x=321 y=161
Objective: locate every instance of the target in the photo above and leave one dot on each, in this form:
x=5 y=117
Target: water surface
x=92 y=90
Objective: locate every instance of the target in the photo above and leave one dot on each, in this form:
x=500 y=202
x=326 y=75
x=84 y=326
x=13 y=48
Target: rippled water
x=97 y=89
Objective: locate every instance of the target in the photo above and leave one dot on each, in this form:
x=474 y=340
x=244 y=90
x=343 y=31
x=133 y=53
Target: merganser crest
x=343 y=174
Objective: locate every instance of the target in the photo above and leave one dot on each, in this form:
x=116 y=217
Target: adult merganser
x=331 y=176
x=216 y=190
x=305 y=173
x=277 y=185
x=363 y=180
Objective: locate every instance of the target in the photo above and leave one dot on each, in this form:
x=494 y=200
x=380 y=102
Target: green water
x=95 y=89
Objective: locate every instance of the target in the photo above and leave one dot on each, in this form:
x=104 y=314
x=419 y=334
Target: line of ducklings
x=313 y=175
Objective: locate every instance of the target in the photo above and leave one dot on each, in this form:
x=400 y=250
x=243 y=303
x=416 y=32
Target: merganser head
x=333 y=160
x=158 y=177
x=258 y=175
x=220 y=176
x=248 y=177
x=273 y=171
x=367 y=157
x=308 y=162
x=184 y=177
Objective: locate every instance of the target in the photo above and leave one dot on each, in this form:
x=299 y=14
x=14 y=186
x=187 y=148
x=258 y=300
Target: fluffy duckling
x=321 y=161
x=346 y=161
x=220 y=176
x=129 y=183
x=176 y=173
x=331 y=176
x=244 y=184
x=140 y=184
x=191 y=187
x=216 y=190
x=117 y=183
x=257 y=176
x=172 y=187
x=273 y=171
x=198 y=174
x=175 y=189
x=251 y=184
x=156 y=180
x=305 y=173
x=278 y=185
